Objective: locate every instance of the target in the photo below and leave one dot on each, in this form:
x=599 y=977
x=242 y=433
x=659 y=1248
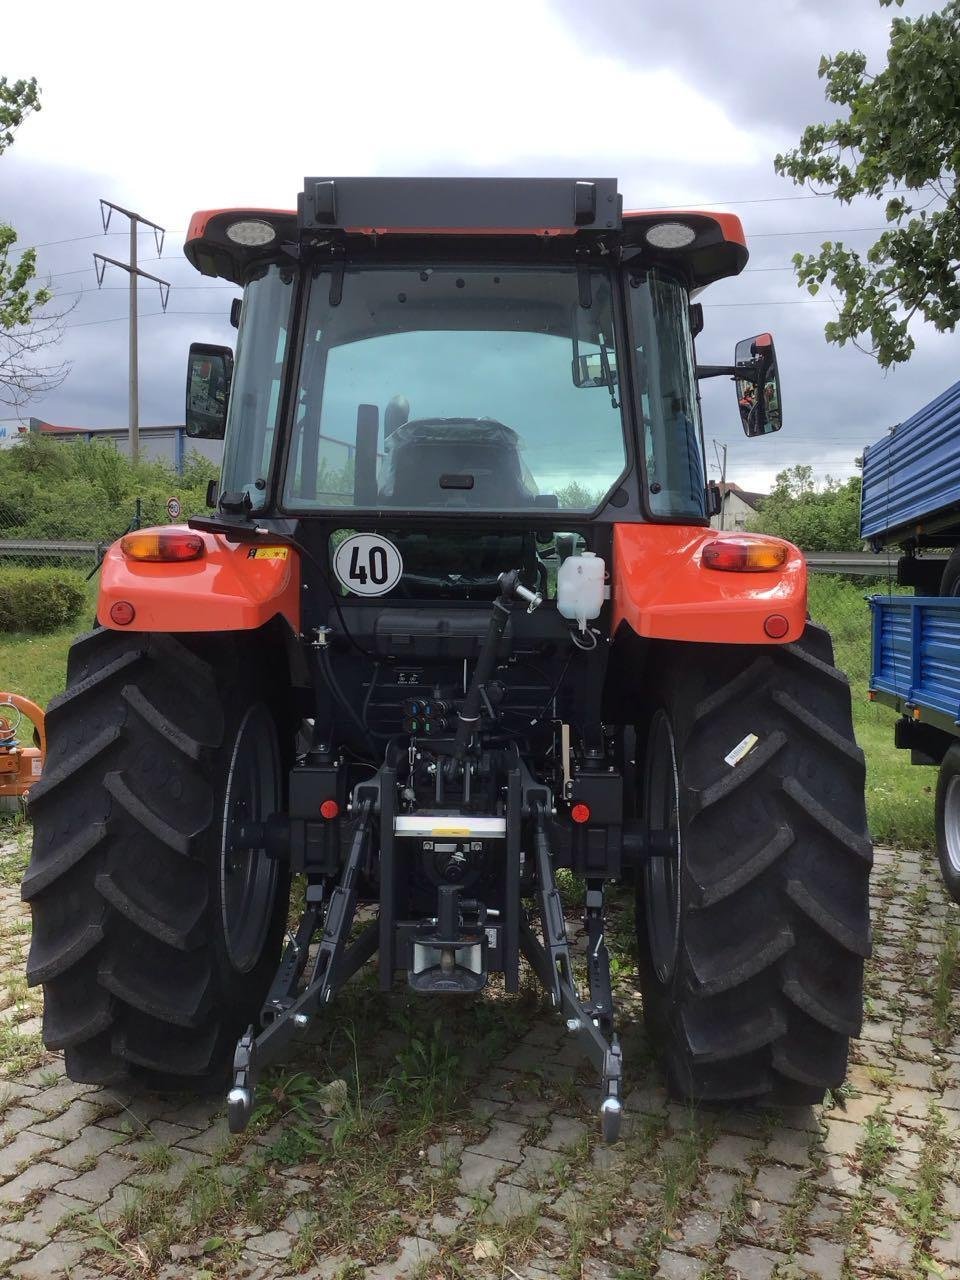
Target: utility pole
x=107 y=208
x=723 y=476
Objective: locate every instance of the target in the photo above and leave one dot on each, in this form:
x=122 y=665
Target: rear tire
x=154 y=943
x=948 y=820
x=754 y=932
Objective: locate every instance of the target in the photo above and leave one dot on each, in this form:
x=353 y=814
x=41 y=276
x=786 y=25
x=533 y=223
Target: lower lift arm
x=331 y=969
x=551 y=961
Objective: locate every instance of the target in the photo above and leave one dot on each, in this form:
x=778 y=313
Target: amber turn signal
x=153 y=546
x=744 y=555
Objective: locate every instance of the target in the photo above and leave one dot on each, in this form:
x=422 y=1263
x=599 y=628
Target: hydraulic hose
x=468 y=717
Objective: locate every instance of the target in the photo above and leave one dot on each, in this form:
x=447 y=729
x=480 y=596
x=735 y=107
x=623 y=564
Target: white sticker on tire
x=368 y=565
x=741 y=749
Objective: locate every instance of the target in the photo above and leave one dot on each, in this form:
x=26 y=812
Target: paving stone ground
x=99 y=1183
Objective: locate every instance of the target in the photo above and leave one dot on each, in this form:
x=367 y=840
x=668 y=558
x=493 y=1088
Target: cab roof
x=525 y=219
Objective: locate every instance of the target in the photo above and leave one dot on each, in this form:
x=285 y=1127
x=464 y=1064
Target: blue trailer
x=911 y=499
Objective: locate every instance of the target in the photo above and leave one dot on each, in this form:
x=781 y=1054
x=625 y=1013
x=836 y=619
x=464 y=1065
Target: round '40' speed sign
x=367 y=564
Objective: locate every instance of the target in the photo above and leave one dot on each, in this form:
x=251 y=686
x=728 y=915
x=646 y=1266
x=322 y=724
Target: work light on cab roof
x=252 y=232
x=457 y=619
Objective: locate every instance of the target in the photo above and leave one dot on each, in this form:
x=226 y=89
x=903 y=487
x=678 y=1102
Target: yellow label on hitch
x=268 y=553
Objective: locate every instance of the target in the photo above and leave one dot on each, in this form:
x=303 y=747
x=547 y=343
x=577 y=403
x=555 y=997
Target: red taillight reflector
x=329 y=809
x=580 y=813
x=776 y=626
x=122 y=613
x=152 y=546
x=744 y=555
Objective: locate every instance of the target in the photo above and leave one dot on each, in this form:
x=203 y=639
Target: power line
x=147 y=315
x=771 y=302
x=94 y=235
x=835 y=231
x=119 y=288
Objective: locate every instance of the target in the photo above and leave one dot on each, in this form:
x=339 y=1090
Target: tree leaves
x=24 y=330
x=901 y=128
x=17 y=100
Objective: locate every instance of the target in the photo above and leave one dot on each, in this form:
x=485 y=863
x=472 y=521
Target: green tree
x=25 y=329
x=899 y=137
x=823 y=517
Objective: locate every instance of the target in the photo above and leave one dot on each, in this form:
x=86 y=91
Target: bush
x=88 y=490
x=817 y=517
x=40 y=599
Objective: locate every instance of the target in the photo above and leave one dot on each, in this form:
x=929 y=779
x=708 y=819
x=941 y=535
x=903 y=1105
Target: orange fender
x=233 y=586
x=663 y=591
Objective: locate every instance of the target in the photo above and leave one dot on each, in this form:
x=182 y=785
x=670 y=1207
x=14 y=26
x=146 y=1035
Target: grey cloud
x=759 y=63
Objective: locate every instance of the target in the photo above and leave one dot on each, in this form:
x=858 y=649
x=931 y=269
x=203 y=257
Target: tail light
x=745 y=555
x=165 y=546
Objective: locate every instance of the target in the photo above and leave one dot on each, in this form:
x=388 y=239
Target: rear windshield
x=487 y=389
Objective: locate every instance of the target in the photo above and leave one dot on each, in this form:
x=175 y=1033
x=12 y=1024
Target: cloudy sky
x=685 y=101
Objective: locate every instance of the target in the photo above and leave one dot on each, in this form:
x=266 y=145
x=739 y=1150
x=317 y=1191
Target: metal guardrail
x=854 y=564
x=44 y=550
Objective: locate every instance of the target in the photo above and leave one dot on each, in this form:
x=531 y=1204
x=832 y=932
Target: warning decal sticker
x=268 y=553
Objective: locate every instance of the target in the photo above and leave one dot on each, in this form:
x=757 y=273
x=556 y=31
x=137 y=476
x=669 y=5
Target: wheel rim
x=951 y=823
x=248 y=878
x=662 y=874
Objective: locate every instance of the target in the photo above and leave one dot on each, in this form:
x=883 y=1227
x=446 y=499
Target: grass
x=946 y=978
x=899 y=795
x=878 y=1145
x=921 y=1204
x=35 y=665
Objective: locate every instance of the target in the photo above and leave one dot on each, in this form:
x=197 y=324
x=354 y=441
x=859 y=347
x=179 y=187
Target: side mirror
x=209 y=374
x=758 y=385
x=596 y=370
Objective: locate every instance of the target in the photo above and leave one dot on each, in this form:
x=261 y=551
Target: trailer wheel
x=948 y=820
x=754 y=925
x=154 y=939
x=950 y=582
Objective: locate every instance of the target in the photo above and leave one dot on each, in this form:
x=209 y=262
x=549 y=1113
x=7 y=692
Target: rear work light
x=162 y=546
x=251 y=232
x=670 y=235
x=744 y=555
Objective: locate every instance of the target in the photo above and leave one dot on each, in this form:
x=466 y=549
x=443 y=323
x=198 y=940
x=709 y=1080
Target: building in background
x=169 y=444
x=739 y=507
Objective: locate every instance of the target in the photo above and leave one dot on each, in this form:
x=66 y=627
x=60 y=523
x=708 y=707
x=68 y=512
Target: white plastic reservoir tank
x=580 y=592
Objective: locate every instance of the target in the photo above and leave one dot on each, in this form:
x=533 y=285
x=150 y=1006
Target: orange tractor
x=457 y=619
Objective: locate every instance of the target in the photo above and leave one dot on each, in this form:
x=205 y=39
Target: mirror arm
x=744 y=372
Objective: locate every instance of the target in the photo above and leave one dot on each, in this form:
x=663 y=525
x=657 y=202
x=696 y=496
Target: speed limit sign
x=173 y=508
x=368 y=565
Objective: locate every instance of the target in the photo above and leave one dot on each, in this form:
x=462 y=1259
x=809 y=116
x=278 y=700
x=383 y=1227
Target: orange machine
x=459 y=615
x=21 y=767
